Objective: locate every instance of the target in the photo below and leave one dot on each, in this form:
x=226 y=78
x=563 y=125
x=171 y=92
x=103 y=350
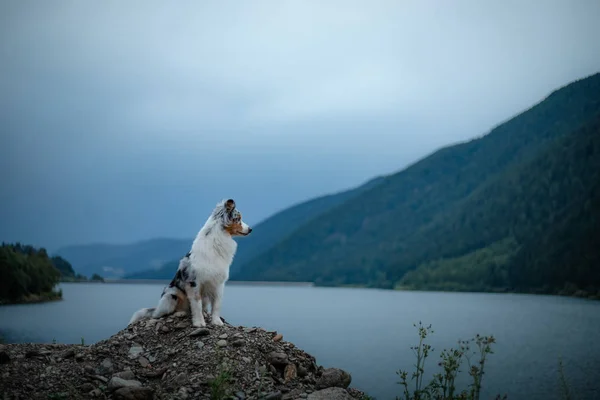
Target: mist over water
x=366 y=332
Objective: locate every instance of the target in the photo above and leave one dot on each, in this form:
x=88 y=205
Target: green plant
x=563 y=381
x=220 y=385
x=442 y=386
x=53 y=340
x=82 y=341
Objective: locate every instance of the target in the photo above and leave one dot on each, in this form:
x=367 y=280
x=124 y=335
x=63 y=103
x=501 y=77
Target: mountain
x=487 y=198
x=115 y=261
x=270 y=231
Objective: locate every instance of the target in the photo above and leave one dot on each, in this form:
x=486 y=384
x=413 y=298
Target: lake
x=364 y=331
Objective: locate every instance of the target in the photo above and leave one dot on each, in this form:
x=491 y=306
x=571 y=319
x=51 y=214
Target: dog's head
x=230 y=219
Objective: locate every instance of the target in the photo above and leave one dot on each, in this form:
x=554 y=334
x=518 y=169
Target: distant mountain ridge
x=118 y=260
x=435 y=208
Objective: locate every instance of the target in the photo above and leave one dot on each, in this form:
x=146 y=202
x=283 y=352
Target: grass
x=443 y=384
x=220 y=386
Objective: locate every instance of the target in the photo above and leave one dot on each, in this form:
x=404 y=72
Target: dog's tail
x=141 y=314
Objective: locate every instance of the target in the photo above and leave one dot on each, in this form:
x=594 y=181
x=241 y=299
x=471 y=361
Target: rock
x=106 y=367
x=183 y=394
x=302 y=372
x=134 y=393
x=165 y=329
x=180 y=314
x=100 y=378
x=144 y=362
x=278 y=358
x=127 y=375
x=4 y=357
x=200 y=332
x=141 y=362
x=135 y=351
x=79 y=357
x=278 y=337
x=332 y=393
x=290 y=373
x=117 y=383
x=334 y=377
x=180 y=379
x=181 y=325
x=86 y=387
x=68 y=354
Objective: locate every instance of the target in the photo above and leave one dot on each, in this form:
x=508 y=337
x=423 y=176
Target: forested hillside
x=26 y=274
x=496 y=198
x=270 y=231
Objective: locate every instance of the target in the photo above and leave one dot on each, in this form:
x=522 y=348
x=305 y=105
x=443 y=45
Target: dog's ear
x=230 y=205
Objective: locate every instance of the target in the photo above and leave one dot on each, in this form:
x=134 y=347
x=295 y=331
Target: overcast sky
x=128 y=120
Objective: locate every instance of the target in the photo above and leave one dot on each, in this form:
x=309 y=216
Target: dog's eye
x=174 y=297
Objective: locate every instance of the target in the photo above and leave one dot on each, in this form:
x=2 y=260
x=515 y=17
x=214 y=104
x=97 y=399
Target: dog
x=202 y=272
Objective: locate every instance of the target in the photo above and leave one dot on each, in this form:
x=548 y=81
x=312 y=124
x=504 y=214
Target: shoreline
x=34 y=299
x=580 y=294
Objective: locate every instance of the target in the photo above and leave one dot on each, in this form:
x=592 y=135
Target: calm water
x=366 y=332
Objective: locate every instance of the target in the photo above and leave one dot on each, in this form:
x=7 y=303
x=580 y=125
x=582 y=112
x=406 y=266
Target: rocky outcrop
x=170 y=359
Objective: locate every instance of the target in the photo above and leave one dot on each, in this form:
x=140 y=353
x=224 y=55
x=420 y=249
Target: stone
x=223 y=336
x=100 y=378
x=127 y=375
x=181 y=325
x=273 y=396
x=106 y=367
x=238 y=343
x=240 y=395
x=68 y=354
x=4 y=357
x=278 y=337
x=135 y=351
x=332 y=393
x=117 y=383
x=246 y=360
x=181 y=379
x=200 y=344
x=200 y=332
x=302 y=372
x=290 y=373
x=86 y=387
x=334 y=377
x=183 y=393
x=96 y=393
x=134 y=393
x=144 y=362
x=222 y=343
x=278 y=358
x=180 y=314
x=165 y=329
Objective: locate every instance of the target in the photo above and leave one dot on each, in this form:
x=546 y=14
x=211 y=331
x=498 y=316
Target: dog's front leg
x=216 y=305
x=192 y=292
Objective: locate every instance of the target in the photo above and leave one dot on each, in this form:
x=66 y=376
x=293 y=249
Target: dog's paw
x=199 y=324
x=217 y=322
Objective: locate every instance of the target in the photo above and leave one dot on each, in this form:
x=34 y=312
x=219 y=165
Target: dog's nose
x=249 y=230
